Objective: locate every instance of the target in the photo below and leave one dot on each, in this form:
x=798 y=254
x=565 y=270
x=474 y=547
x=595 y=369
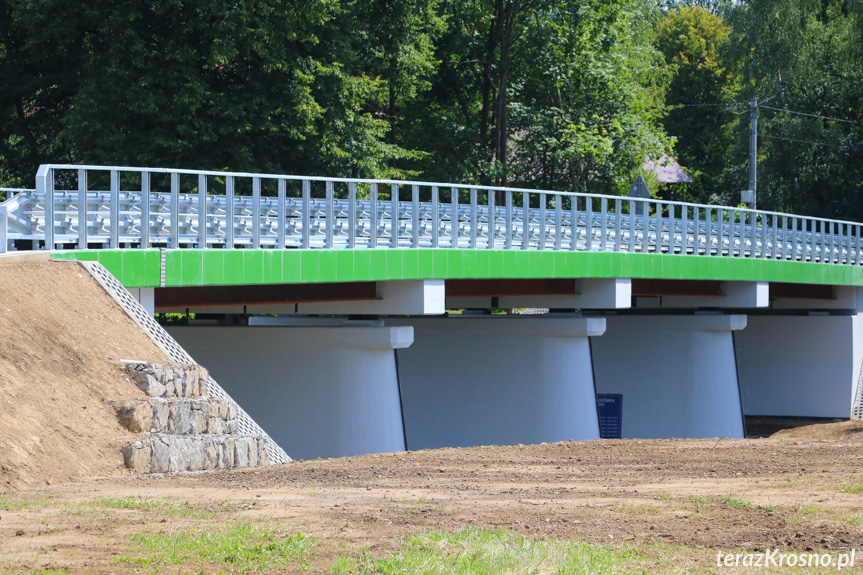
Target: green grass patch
x=10 y=503
x=243 y=548
x=476 y=551
x=853 y=488
x=732 y=500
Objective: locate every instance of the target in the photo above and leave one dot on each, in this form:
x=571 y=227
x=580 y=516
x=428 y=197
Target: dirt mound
x=63 y=339
x=847 y=430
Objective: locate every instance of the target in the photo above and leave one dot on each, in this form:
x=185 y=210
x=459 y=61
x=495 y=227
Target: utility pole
x=753 y=150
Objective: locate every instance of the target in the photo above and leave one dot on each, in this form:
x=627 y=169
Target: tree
x=812 y=50
x=695 y=43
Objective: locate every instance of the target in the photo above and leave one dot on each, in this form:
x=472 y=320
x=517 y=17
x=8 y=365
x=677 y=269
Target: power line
x=813 y=116
x=805 y=141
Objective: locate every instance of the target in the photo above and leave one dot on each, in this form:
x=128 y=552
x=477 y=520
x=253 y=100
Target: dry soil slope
x=61 y=341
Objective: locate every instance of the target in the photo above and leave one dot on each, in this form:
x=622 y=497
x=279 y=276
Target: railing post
x=45 y=188
x=454 y=219
x=684 y=228
x=256 y=213
x=4 y=229
x=435 y=198
x=508 y=239
x=202 y=211
x=331 y=216
x=82 y=209
x=394 y=215
x=491 y=223
x=352 y=215
x=229 y=212
x=618 y=212
x=145 y=210
x=588 y=225
x=115 y=209
x=558 y=217
x=373 y=216
x=603 y=223
x=306 y=215
x=474 y=223
x=175 y=210
x=542 y=216
x=282 y=214
x=633 y=225
x=415 y=216
x=525 y=223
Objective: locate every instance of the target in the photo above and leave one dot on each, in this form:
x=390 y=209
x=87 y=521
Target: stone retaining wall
x=169 y=379
x=181 y=416
x=160 y=453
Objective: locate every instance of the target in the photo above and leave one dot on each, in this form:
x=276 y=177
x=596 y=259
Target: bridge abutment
x=318 y=389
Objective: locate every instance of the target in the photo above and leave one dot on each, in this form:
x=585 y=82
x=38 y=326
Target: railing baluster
x=82 y=210
x=558 y=217
x=330 y=216
x=542 y=216
x=684 y=228
x=618 y=236
x=229 y=212
x=145 y=210
x=454 y=219
x=415 y=216
x=306 y=214
x=509 y=231
x=373 y=216
x=256 y=213
x=474 y=223
x=202 y=211
x=588 y=224
x=525 y=224
x=352 y=215
x=115 y=209
x=633 y=225
x=394 y=215
x=435 y=192
x=282 y=214
x=603 y=232
x=175 y=210
x=491 y=220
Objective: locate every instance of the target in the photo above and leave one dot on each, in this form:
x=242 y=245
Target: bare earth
x=706 y=495
x=66 y=503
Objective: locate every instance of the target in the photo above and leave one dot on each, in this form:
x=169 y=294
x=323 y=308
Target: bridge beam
x=405 y=297
x=731 y=295
x=319 y=390
x=677 y=374
x=496 y=380
x=587 y=293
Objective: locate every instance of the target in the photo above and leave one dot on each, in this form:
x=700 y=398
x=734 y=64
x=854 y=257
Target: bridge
x=351 y=316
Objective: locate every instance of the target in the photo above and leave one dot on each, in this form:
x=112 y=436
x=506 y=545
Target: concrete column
x=494 y=380
x=318 y=391
x=800 y=366
x=677 y=374
x=146 y=297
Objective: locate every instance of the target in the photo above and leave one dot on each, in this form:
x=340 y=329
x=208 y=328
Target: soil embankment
x=62 y=341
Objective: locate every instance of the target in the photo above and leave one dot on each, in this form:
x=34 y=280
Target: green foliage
x=472 y=550
x=244 y=548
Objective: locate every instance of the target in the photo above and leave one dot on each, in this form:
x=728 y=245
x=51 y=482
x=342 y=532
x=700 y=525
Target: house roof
x=667 y=171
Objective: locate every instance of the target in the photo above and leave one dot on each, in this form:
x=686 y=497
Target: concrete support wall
x=677 y=374
x=146 y=297
x=496 y=380
x=805 y=366
x=318 y=391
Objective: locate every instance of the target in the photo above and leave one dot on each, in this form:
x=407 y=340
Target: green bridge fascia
x=212 y=267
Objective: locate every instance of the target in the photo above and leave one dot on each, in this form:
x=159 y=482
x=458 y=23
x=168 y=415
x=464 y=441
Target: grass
x=9 y=503
x=242 y=548
x=471 y=550
x=730 y=499
x=853 y=488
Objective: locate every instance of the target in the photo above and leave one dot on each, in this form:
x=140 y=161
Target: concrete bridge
x=321 y=304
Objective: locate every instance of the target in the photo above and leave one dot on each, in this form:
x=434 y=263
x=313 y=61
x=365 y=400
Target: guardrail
x=147 y=207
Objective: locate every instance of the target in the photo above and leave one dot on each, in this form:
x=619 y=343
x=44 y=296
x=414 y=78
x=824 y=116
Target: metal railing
x=153 y=207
